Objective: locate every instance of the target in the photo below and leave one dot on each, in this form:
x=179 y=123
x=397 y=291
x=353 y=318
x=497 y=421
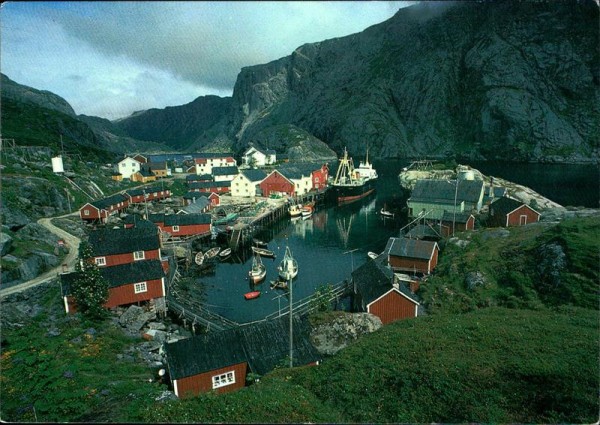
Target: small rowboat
x=259 y=243
x=263 y=252
x=385 y=213
x=211 y=253
x=252 y=295
x=372 y=255
x=279 y=284
x=199 y=258
x=225 y=253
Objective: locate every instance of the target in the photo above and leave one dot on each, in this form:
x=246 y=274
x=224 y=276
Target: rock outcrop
x=344 y=329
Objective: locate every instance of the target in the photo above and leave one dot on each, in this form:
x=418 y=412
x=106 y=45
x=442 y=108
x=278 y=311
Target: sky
x=109 y=59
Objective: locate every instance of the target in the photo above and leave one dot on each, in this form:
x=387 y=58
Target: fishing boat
x=225 y=253
x=279 y=284
x=308 y=210
x=295 y=210
x=288 y=268
x=199 y=258
x=263 y=252
x=211 y=253
x=351 y=184
x=252 y=295
x=258 y=271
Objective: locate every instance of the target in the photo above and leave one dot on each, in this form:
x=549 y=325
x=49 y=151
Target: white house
x=246 y=183
x=302 y=178
x=224 y=174
x=128 y=167
x=205 y=164
x=259 y=158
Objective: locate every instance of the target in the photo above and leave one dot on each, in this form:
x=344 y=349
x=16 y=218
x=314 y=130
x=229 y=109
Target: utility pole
x=455 y=196
x=291 y=325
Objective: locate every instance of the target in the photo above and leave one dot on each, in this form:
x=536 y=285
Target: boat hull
x=345 y=194
x=252 y=295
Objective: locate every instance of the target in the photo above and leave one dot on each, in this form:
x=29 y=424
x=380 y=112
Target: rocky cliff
x=486 y=80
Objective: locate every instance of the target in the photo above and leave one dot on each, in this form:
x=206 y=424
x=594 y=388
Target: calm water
x=322 y=244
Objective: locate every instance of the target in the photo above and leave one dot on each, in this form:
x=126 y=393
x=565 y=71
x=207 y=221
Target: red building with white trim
x=507 y=212
x=277 y=184
x=412 y=255
x=101 y=209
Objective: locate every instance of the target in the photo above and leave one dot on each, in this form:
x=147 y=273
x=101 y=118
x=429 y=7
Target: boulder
x=474 y=280
x=5 y=244
x=344 y=329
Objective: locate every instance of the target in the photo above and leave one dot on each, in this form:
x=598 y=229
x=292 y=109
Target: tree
x=90 y=288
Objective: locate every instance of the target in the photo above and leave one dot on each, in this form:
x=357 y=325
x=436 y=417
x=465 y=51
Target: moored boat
x=263 y=252
x=308 y=210
x=385 y=212
x=295 y=210
x=352 y=184
x=288 y=268
x=211 y=253
x=252 y=295
x=199 y=258
x=372 y=255
x=225 y=253
x=259 y=243
x=279 y=284
x=258 y=271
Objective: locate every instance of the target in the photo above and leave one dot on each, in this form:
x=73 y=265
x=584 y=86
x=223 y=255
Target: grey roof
x=254 y=175
x=224 y=171
x=108 y=201
x=138 y=221
x=410 y=248
x=120 y=241
x=186 y=219
x=263 y=345
x=196 y=177
x=141 y=190
x=138 y=271
x=459 y=218
x=374 y=278
x=208 y=185
x=270 y=152
x=198 y=206
x=430 y=190
x=421 y=231
x=157 y=218
x=506 y=205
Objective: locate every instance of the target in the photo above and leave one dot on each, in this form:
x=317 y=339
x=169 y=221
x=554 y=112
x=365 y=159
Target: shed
x=459 y=222
x=510 y=212
x=412 y=255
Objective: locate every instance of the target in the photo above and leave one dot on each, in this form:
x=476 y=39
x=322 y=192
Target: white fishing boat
x=225 y=253
x=263 y=252
x=211 y=253
x=258 y=271
x=288 y=268
x=295 y=210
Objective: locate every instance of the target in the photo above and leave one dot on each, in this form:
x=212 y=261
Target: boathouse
x=247 y=182
x=101 y=209
x=412 y=255
x=277 y=184
x=221 y=361
x=182 y=225
x=130 y=283
x=507 y=212
x=378 y=291
x=459 y=222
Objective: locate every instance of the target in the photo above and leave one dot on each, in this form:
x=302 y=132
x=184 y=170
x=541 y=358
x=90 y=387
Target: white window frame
x=140 y=287
x=86 y=212
x=175 y=228
x=224 y=379
x=100 y=261
x=138 y=255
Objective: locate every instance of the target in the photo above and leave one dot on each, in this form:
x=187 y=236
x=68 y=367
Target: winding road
x=72 y=243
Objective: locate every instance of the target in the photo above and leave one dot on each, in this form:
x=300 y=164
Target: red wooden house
x=376 y=290
x=128 y=284
x=411 y=255
x=221 y=361
x=277 y=184
x=510 y=212
x=182 y=225
x=141 y=194
x=113 y=247
x=210 y=186
x=101 y=209
x=459 y=222
x=319 y=177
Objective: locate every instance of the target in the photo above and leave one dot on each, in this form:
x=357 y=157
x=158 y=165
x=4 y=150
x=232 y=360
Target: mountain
x=41 y=118
x=482 y=80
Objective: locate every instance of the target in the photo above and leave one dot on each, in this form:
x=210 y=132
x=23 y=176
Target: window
x=86 y=212
x=138 y=255
x=176 y=228
x=223 y=380
x=140 y=287
x=101 y=261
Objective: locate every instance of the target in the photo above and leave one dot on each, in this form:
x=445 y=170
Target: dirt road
x=72 y=244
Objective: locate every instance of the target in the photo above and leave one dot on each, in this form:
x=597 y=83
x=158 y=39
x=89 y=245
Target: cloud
x=106 y=57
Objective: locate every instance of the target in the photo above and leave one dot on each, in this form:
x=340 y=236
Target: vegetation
x=90 y=289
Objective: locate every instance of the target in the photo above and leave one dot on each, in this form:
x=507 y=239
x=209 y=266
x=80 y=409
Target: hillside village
x=142 y=240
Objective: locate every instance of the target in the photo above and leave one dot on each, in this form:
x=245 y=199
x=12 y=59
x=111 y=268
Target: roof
x=254 y=175
x=507 y=205
x=374 y=278
x=157 y=218
x=459 y=218
x=138 y=221
x=198 y=206
x=121 y=240
x=186 y=219
x=111 y=200
x=196 y=177
x=224 y=171
x=270 y=152
x=138 y=271
x=141 y=190
x=429 y=190
x=410 y=248
x=208 y=185
x=421 y=231
x=263 y=345
x=154 y=166
x=145 y=172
